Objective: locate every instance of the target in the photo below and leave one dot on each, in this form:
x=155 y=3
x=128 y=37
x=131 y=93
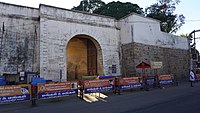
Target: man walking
x=192 y=78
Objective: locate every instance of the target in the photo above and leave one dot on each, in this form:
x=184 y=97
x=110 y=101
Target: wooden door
x=91 y=58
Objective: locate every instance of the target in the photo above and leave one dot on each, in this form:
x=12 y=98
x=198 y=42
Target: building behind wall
x=65 y=44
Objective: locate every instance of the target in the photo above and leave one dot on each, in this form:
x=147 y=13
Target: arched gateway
x=84 y=57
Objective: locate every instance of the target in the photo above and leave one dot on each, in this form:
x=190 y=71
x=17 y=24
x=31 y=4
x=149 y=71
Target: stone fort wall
x=175 y=61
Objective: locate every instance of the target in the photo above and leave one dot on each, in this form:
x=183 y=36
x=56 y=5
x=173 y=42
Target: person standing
x=192 y=78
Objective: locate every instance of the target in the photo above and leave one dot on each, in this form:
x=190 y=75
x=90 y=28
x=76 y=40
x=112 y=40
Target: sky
x=189 y=8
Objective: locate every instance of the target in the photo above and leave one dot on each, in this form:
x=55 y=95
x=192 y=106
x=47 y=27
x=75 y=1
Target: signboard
x=22 y=74
x=156 y=65
x=165 y=79
x=114 y=69
x=100 y=85
x=53 y=90
x=131 y=82
x=150 y=81
x=15 y=93
x=195 y=57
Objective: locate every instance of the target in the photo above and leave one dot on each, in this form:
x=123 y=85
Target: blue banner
x=166 y=81
x=57 y=94
x=15 y=98
x=150 y=81
x=99 y=89
x=129 y=86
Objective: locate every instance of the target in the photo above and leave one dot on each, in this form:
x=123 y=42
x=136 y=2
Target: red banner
x=165 y=77
x=14 y=90
x=130 y=80
x=99 y=83
x=15 y=93
x=52 y=87
x=54 y=90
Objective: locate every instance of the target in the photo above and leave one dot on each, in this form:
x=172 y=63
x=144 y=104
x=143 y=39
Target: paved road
x=176 y=99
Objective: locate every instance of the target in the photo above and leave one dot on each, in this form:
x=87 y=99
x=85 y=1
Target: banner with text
x=15 y=93
x=100 y=85
x=165 y=79
x=54 y=90
x=130 y=82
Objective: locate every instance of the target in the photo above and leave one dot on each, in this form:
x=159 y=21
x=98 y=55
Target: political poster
x=100 y=85
x=130 y=82
x=15 y=93
x=165 y=79
x=54 y=90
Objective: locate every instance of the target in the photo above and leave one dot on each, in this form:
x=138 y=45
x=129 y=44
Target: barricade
x=15 y=93
x=149 y=82
x=129 y=83
x=46 y=90
x=98 y=85
x=57 y=89
x=163 y=80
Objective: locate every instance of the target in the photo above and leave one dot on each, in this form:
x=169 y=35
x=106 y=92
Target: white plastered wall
x=139 y=29
x=58 y=26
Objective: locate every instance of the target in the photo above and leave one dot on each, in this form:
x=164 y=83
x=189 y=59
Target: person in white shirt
x=192 y=78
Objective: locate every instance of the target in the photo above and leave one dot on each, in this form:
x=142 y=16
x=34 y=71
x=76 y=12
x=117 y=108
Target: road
x=173 y=99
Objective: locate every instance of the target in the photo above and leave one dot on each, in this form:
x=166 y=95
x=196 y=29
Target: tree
x=89 y=5
x=164 y=11
x=184 y=35
x=118 y=9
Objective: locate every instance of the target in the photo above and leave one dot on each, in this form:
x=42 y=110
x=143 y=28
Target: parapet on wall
x=136 y=28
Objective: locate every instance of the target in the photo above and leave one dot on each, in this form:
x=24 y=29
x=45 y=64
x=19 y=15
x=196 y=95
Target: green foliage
x=184 y=35
x=118 y=9
x=113 y=9
x=164 y=11
x=89 y=5
x=194 y=51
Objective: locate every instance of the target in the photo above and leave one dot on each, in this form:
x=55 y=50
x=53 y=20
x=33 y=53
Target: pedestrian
x=192 y=78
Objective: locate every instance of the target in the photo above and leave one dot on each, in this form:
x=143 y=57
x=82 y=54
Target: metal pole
x=60 y=75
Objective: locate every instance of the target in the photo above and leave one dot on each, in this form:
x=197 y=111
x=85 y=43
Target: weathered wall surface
x=136 y=28
x=58 y=26
x=142 y=40
x=19 y=38
x=175 y=61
